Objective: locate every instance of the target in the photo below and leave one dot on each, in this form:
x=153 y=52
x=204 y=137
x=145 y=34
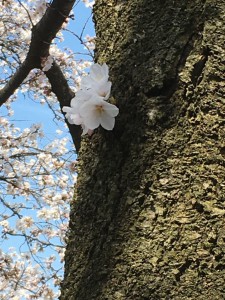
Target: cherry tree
x=37 y=175
x=147 y=219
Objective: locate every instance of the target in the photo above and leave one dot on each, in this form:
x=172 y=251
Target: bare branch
x=15 y=81
x=42 y=35
x=64 y=95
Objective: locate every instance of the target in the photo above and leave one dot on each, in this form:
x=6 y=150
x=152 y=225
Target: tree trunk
x=148 y=221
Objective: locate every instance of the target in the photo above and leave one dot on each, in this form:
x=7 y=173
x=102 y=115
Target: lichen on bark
x=147 y=221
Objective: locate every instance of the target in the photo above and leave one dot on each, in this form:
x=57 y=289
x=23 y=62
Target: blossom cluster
x=88 y=3
x=47 y=63
x=90 y=108
x=37 y=171
x=36 y=186
x=19 y=278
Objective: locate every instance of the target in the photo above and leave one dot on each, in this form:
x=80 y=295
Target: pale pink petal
x=90 y=114
x=92 y=104
x=85 y=129
x=103 y=89
x=87 y=107
x=91 y=120
x=80 y=98
x=90 y=132
x=67 y=109
x=111 y=109
x=87 y=82
x=73 y=101
x=76 y=104
x=84 y=94
x=99 y=73
x=77 y=119
x=107 y=122
x=70 y=120
x=105 y=69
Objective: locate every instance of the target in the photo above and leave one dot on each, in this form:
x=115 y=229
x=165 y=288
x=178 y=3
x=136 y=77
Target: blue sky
x=28 y=112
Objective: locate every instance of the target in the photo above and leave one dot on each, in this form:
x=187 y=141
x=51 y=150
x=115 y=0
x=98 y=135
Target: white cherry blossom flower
x=88 y=3
x=72 y=115
x=103 y=90
x=89 y=108
x=98 y=76
x=47 y=64
x=97 y=112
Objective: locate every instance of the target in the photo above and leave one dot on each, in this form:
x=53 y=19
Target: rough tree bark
x=148 y=219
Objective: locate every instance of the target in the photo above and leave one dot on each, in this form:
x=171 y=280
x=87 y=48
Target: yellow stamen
x=99 y=108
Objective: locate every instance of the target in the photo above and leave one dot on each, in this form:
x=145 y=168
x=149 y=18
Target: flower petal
x=77 y=119
x=111 y=109
x=89 y=114
x=85 y=129
x=87 y=82
x=103 y=89
x=67 y=109
x=70 y=120
x=99 y=73
x=89 y=107
x=107 y=121
x=91 y=120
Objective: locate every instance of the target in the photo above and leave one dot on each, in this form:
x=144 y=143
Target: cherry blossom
x=97 y=112
x=98 y=75
x=89 y=108
x=47 y=63
x=88 y=3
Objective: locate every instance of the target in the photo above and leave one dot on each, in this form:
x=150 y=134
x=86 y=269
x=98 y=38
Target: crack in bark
x=198 y=68
x=170 y=84
x=183 y=269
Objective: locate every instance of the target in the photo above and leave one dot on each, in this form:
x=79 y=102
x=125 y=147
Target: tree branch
x=64 y=95
x=42 y=35
x=15 y=81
